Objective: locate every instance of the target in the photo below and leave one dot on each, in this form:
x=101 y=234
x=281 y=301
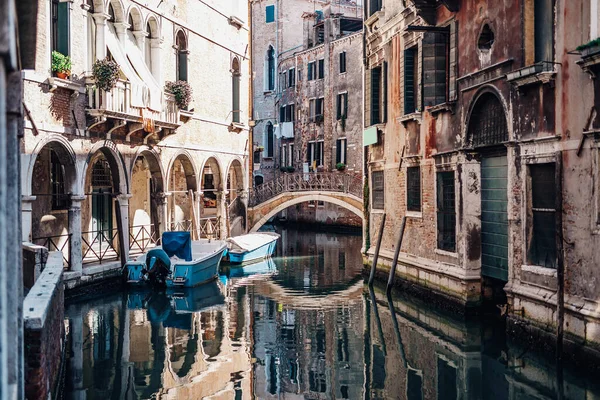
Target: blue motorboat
x=264 y=267
x=179 y=262
x=251 y=247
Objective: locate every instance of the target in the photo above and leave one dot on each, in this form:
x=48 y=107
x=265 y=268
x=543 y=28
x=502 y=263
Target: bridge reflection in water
x=306 y=328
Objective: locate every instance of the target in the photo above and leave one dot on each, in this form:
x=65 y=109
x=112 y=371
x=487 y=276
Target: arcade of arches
x=109 y=206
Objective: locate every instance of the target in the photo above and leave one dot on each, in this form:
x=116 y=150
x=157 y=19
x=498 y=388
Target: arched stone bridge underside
x=270 y=198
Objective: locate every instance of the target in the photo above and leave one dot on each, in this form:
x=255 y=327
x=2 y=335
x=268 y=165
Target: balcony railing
x=99 y=246
x=142 y=238
x=170 y=109
x=60 y=243
x=209 y=228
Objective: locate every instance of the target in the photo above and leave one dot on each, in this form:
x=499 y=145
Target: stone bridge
x=268 y=199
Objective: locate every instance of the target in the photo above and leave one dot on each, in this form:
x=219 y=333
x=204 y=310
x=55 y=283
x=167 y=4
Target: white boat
x=251 y=247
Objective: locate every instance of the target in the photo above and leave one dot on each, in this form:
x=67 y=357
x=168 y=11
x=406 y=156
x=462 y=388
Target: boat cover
x=178 y=244
x=251 y=241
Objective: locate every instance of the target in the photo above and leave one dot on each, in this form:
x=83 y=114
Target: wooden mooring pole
x=376 y=255
x=560 y=275
x=390 y=283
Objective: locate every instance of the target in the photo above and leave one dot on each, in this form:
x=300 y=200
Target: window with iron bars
x=446 y=211
x=487 y=125
x=413 y=188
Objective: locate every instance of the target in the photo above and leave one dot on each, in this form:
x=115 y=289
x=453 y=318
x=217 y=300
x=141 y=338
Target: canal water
x=300 y=326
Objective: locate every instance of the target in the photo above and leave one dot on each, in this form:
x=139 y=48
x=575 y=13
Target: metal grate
x=542 y=244
x=413 y=189
x=446 y=211
x=101 y=176
x=378 y=187
x=487 y=125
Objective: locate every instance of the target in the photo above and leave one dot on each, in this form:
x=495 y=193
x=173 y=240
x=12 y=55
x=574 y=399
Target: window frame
x=269 y=140
x=342 y=61
x=411 y=203
x=531 y=211
x=320 y=68
x=380 y=204
x=270 y=12
x=342 y=105
x=341 y=151
x=440 y=242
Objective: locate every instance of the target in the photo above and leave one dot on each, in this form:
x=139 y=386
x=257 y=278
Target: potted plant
x=259 y=148
x=290 y=169
x=340 y=166
x=106 y=74
x=283 y=169
x=61 y=65
x=589 y=48
x=182 y=92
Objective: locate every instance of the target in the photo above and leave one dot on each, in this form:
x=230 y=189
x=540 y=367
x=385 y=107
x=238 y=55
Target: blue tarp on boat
x=178 y=244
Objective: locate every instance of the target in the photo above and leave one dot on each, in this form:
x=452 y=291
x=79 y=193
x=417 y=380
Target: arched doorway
x=146 y=206
x=487 y=133
x=183 y=208
x=104 y=238
x=52 y=184
x=236 y=210
x=211 y=188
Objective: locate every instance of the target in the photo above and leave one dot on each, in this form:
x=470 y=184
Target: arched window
x=487 y=124
x=130 y=22
x=271 y=68
x=235 y=83
x=111 y=13
x=182 y=57
x=148 y=52
x=270 y=140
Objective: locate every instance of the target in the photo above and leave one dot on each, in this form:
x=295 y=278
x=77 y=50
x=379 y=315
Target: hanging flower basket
x=106 y=74
x=182 y=92
x=61 y=65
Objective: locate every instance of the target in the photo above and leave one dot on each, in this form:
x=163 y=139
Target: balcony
x=541 y=72
x=116 y=106
x=590 y=57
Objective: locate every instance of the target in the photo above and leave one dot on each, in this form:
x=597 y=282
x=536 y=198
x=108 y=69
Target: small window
x=321 y=69
x=60 y=200
x=374 y=6
x=446 y=380
x=414 y=385
x=319 y=106
x=435 y=68
x=270 y=14
x=60 y=26
x=311 y=70
x=342 y=106
x=270 y=69
x=542 y=216
x=270 y=140
x=312 y=108
x=182 y=56
x=282 y=114
x=446 y=211
x=341 y=151
x=320 y=153
x=342 y=62
x=486 y=38
x=410 y=80
x=376 y=95
x=291 y=77
x=413 y=188
x=235 y=94
x=377 y=190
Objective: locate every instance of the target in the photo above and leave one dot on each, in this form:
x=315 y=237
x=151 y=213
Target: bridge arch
x=285 y=200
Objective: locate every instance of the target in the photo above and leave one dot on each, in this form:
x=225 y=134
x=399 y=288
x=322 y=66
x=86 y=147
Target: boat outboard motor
x=158 y=266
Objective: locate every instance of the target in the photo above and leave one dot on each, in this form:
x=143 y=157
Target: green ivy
x=340 y=166
x=182 y=92
x=593 y=43
x=106 y=74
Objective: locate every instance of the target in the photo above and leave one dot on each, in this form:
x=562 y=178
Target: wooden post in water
x=376 y=255
x=560 y=275
x=396 y=255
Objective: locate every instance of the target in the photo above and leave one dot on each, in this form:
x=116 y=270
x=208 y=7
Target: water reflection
x=299 y=326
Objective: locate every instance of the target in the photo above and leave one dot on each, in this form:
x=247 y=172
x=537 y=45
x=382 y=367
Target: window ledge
x=236 y=127
x=539 y=270
x=446 y=253
x=56 y=83
x=414 y=214
x=186 y=115
x=444 y=107
x=590 y=60
x=416 y=116
x=542 y=73
x=59 y=211
x=235 y=21
x=377 y=211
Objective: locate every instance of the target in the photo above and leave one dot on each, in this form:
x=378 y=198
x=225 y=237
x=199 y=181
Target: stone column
x=244 y=198
x=100 y=19
x=27 y=217
x=122 y=205
x=197 y=197
x=155 y=51
x=140 y=37
x=222 y=213
x=121 y=29
x=75 y=245
x=161 y=212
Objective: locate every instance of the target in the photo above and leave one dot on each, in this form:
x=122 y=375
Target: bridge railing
x=306 y=182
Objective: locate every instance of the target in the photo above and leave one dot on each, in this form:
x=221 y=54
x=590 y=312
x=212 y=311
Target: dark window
x=374 y=6
x=320 y=33
x=310 y=150
x=270 y=140
x=282 y=114
x=270 y=14
x=319 y=106
x=182 y=57
x=434 y=68
x=319 y=155
x=292 y=77
x=341 y=151
x=410 y=80
x=413 y=188
x=487 y=125
x=342 y=62
x=486 y=38
x=311 y=71
x=236 y=91
x=60 y=26
x=414 y=385
x=446 y=382
x=321 y=69
x=271 y=68
x=342 y=260
x=542 y=242
x=342 y=106
x=544 y=34
x=446 y=211
x=288 y=113
x=375 y=95
x=60 y=200
x=377 y=189
x=258 y=180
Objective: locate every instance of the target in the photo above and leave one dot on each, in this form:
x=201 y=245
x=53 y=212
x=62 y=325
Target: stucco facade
x=484 y=140
x=105 y=173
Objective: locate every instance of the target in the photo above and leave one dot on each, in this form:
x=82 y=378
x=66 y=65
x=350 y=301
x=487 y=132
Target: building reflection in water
x=299 y=326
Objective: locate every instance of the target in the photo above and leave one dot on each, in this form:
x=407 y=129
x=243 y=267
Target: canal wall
x=43 y=318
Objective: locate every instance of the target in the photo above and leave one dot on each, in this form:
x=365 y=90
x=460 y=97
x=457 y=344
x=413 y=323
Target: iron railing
x=236 y=208
x=99 y=246
x=305 y=182
x=208 y=227
x=142 y=238
x=60 y=243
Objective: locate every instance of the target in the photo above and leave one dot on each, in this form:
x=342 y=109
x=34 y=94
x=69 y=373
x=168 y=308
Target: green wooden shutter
x=236 y=98
x=345 y=115
x=544 y=30
x=338 y=152
x=183 y=67
x=339 y=106
x=309 y=153
x=434 y=68
x=453 y=63
x=409 y=81
x=63 y=28
x=385 y=92
x=376 y=95
x=270 y=14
